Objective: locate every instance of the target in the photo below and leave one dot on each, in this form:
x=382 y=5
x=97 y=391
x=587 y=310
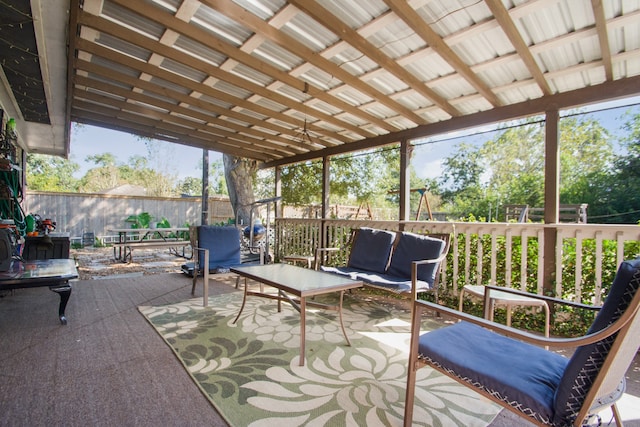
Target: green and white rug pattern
x=250 y=370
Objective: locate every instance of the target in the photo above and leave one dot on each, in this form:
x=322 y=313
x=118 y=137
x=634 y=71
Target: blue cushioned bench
x=399 y=262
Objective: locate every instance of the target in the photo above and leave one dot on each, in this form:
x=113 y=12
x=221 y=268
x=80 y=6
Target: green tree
x=217 y=180
x=462 y=191
x=51 y=173
x=623 y=203
x=102 y=177
x=515 y=161
x=302 y=183
x=109 y=174
x=190 y=186
x=366 y=177
x=510 y=168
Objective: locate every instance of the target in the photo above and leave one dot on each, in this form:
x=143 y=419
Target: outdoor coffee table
x=54 y=273
x=299 y=282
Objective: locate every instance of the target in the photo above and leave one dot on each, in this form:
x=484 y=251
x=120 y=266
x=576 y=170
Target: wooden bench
x=126 y=248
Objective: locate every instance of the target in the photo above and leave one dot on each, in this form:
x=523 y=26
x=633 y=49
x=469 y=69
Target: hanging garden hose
x=11 y=200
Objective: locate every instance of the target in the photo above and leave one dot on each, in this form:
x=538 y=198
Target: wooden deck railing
x=505 y=254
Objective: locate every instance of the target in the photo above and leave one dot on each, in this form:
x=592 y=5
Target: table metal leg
x=244 y=300
x=303 y=327
x=65 y=292
x=344 y=332
x=122 y=238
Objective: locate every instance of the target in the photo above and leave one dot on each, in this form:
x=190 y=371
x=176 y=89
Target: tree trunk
x=239 y=173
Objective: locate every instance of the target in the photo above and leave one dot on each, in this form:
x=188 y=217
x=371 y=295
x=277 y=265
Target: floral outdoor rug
x=250 y=370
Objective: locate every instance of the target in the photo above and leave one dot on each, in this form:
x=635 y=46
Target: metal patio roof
x=284 y=81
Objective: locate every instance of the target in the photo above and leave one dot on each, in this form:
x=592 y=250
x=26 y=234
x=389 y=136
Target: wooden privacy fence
x=77 y=214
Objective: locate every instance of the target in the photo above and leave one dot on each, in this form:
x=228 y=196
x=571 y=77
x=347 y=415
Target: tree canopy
x=509 y=169
x=477 y=180
x=51 y=173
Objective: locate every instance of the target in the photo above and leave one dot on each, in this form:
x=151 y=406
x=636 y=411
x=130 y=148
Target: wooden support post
x=551 y=198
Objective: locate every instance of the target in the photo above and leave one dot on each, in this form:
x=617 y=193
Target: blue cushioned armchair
x=215 y=250
x=511 y=368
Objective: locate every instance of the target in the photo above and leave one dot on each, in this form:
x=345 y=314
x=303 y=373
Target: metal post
x=205 y=187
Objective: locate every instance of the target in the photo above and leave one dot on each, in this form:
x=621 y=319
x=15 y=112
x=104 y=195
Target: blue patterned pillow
x=371 y=249
x=413 y=247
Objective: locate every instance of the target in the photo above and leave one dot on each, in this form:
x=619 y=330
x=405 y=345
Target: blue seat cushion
x=392 y=283
x=520 y=374
x=371 y=249
x=587 y=360
x=223 y=244
x=414 y=247
x=384 y=281
x=343 y=271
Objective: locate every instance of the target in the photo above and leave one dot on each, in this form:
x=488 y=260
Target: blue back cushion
x=587 y=360
x=223 y=244
x=413 y=247
x=371 y=249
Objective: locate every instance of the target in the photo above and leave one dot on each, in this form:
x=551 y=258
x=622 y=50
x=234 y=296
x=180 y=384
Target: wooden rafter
x=603 y=37
x=502 y=16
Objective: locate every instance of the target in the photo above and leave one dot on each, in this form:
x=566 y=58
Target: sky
x=181 y=160
x=184 y=161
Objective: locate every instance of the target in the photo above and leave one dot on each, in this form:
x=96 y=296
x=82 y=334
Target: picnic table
x=148 y=238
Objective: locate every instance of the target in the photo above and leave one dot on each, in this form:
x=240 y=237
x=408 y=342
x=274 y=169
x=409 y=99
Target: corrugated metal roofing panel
x=471 y=104
x=385 y=82
x=433 y=114
x=380 y=98
x=270 y=104
x=106 y=79
x=351 y=96
x=182 y=70
x=378 y=110
x=429 y=67
x=156 y=95
x=352 y=120
x=214 y=101
x=520 y=91
x=327 y=109
x=123 y=46
x=453 y=87
x=116 y=67
x=169 y=85
x=277 y=56
x=355 y=14
x=220 y=26
x=170 y=5
x=412 y=99
x=291 y=93
x=354 y=61
x=133 y=21
x=265 y=9
x=251 y=74
x=232 y=89
x=198 y=50
x=483 y=47
x=320 y=78
x=396 y=40
x=449 y=17
x=309 y=32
